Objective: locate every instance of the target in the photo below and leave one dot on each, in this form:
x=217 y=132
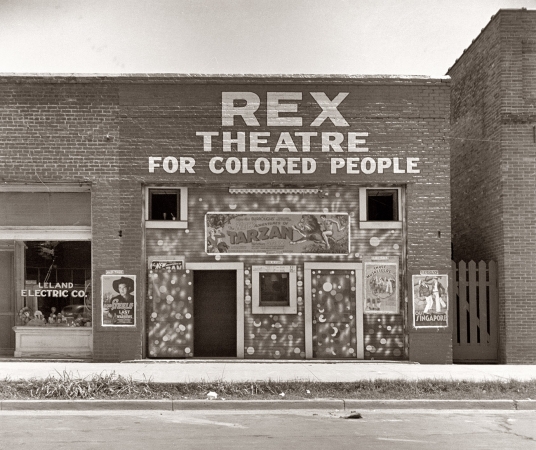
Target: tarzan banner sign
x=430 y=301
x=277 y=233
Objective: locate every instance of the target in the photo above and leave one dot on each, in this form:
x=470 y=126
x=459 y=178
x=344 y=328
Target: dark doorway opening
x=214 y=313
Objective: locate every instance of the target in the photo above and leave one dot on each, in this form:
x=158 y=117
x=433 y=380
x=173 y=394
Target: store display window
x=57 y=283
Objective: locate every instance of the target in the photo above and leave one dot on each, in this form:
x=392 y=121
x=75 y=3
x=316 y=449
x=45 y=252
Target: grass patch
x=66 y=386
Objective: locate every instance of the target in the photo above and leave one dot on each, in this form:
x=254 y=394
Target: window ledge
x=64 y=233
x=293 y=309
x=381 y=225
x=166 y=224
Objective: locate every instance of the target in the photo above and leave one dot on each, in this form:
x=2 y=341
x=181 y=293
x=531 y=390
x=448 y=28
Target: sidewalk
x=180 y=371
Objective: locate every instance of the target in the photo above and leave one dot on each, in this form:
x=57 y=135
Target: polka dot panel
x=334 y=340
x=334 y=324
x=170 y=317
x=379 y=242
x=384 y=337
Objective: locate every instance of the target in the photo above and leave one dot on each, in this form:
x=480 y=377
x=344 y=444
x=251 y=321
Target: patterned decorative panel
x=384 y=336
x=274 y=336
x=334 y=324
x=170 y=308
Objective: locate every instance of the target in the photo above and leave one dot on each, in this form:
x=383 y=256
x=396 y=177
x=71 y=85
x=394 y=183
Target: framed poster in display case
x=381 y=286
x=430 y=299
x=118 y=301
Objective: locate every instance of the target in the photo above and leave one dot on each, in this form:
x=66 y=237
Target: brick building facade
x=313 y=209
x=493 y=120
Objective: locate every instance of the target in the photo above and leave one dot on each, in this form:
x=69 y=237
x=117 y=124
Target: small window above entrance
x=380 y=207
x=166 y=207
x=274 y=290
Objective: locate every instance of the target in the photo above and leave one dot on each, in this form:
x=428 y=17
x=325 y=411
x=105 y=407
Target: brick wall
x=101 y=131
x=493 y=165
x=432 y=350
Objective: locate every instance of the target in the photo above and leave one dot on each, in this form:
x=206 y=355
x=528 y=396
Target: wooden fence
x=476 y=312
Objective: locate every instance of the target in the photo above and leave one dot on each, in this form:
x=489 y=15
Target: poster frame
x=178 y=259
x=107 y=291
x=423 y=275
x=391 y=261
x=275 y=213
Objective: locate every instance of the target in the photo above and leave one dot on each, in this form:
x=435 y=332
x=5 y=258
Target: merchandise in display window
x=57 y=284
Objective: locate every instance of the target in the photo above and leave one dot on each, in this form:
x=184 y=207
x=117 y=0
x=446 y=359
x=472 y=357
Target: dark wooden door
x=214 y=313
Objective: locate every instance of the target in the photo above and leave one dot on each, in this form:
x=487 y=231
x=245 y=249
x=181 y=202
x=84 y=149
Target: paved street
x=298 y=430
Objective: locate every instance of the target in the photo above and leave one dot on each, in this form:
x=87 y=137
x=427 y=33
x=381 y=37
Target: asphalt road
x=297 y=430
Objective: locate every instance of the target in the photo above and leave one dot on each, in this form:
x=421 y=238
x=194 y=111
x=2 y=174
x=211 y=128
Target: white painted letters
x=229 y=110
x=329 y=109
x=242 y=110
x=273 y=108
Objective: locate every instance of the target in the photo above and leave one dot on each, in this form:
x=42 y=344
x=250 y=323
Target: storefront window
x=58 y=281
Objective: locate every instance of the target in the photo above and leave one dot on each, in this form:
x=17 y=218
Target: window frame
x=377 y=224
x=182 y=215
x=257 y=308
x=28 y=284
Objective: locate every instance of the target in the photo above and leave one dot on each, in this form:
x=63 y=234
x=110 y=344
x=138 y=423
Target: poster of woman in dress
x=381 y=287
x=430 y=300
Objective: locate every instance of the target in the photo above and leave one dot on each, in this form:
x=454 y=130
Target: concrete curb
x=525 y=404
x=85 y=405
x=431 y=404
x=282 y=405
x=179 y=405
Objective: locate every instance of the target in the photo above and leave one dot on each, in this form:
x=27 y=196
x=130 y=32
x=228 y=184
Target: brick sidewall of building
x=493 y=114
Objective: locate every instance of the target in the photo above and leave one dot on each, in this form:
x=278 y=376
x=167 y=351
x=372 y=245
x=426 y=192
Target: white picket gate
x=476 y=312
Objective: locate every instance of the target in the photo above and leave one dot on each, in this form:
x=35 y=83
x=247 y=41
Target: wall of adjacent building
x=493 y=114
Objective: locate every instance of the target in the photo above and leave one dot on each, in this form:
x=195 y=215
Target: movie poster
x=430 y=300
x=164 y=263
x=118 y=300
x=277 y=233
x=381 y=287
